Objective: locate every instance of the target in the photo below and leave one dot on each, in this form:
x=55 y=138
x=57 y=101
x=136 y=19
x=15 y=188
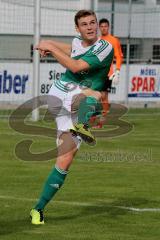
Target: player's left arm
x=65 y=60
x=118 y=54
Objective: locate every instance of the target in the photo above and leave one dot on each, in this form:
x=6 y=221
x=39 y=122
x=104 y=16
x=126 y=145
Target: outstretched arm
x=65 y=47
x=66 y=61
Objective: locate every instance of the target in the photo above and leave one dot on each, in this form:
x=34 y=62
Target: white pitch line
x=59 y=202
x=86 y=204
x=139 y=209
x=17 y=198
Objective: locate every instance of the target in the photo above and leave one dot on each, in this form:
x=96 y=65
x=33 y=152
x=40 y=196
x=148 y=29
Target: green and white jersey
x=99 y=56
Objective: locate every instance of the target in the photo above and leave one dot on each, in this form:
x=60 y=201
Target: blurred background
x=23 y=22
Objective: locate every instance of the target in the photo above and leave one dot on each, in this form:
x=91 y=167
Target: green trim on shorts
x=60 y=86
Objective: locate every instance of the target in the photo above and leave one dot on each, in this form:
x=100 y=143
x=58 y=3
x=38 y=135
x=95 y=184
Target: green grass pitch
x=112 y=191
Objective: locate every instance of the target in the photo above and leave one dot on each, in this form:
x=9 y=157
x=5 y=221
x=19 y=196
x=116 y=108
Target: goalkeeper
x=114 y=74
x=87 y=62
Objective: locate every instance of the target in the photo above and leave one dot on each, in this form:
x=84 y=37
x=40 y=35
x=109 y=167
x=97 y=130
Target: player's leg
x=88 y=104
x=98 y=121
x=68 y=146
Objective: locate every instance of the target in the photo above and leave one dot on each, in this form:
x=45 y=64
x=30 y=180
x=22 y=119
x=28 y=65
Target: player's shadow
x=101 y=208
x=119 y=207
x=110 y=210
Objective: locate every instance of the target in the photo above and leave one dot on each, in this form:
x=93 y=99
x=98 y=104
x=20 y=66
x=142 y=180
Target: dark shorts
x=108 y=85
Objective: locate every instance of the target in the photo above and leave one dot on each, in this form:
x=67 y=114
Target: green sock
x=52 y=185
x=88 y=107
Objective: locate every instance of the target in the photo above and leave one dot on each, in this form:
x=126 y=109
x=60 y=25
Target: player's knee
x=92 y=93
x=64 y=161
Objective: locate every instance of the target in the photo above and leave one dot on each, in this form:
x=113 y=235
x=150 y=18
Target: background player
x=118 y=55
x=114 y=73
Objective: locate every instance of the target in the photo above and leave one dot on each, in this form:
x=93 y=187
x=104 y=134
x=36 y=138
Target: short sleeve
x=98 y=53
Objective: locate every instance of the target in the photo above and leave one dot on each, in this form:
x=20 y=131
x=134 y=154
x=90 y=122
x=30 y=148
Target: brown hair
x=83 y=13
x=104 y=20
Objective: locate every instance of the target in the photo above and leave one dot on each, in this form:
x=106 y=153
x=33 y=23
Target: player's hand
x=44 y=47
x=43 y=53
x=115 y=77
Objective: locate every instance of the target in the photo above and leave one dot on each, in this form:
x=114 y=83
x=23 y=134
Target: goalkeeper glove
x=115 y=77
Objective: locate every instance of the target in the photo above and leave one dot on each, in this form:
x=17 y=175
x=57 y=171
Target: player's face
x=104 y=29
x=87 y=27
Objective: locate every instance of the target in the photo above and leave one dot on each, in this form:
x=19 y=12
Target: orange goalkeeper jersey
x=118 y=55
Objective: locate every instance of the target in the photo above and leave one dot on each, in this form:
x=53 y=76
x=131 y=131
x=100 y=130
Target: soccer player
x=118 y=55
x=87 y=65
x=114 y=74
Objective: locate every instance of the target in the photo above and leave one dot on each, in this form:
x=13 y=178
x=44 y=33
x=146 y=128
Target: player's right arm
x=72 y=64
x=66 y=48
